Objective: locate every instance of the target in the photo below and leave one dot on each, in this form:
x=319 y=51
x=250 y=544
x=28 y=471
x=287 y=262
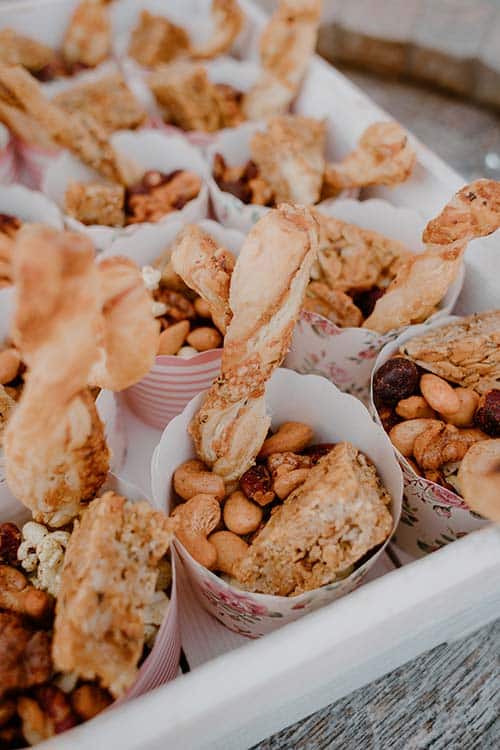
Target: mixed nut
x=430 y=422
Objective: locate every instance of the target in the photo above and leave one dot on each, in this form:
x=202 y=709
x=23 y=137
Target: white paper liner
x=8 y=159
x=162 y=664
x=150 y=150
x=334 y=417
x=173 y=381
x=30 y=206
x=346 y=355
x=432 y=516
x=234 y=145
x=240 y=74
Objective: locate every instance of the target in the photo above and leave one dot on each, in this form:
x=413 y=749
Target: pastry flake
x=108 y=580
x=325 y=526
x=16 y=49
x=290 y=156
x=186 y=95
x=87 y=40
x=156 y=40
x=96 y=203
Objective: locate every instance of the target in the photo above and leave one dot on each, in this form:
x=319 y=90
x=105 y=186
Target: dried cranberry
x=487 y=416
x=10 y=539
x=318 y=451
x=256 y=483
x=366 y=300
x=397 y=378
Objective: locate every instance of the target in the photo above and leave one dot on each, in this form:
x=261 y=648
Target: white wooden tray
x=234 y=692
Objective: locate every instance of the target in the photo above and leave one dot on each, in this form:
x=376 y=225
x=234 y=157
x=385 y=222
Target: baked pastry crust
x=227 y=21
x=156 y=40
x=109 y=101
x=267 y=291
x=465 y=352
x=16 y=49
x=424 y=278
x=290 y=157
x=323 y=528
x=95 y=203
x=187 y=96
x=205 y=267
x=108 y=579
x=88 y=37
x=56 y=453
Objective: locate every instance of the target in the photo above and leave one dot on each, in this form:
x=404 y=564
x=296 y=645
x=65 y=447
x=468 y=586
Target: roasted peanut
x=18 y=596
x=290 y=436
x=197 y=519
x=286 y=483
x=173 y=337
x=240 y=514
x=443 y=443
x=204 y=338
x=230 y=549
x=469 y=401
x=439 y=394
x=37 y=726
x=89 y=700
x=403 y=435
x=192 y=478
x=202 y=308
x=56 y=705
x=415 y=407
x=9 y=365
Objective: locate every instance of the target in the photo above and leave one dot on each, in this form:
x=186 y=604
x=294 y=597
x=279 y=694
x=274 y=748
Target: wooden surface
x=448 y=699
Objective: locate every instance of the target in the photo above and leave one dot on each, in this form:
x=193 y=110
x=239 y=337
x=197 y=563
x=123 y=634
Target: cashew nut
x=202 y=308
x=9 y=365
x=196 y=520
x=173 y=337
x=230 y=549
x=290 y=436
x=240 y=514
x=403 y=435
x=469 y=401
x=192 y=478
x=443 y=443
x=18 y=596
x=415 y=407
x=204 y=338
x=439 y=394
x=287 y=482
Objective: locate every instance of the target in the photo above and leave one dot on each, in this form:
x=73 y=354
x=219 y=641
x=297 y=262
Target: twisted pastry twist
x=267 y=290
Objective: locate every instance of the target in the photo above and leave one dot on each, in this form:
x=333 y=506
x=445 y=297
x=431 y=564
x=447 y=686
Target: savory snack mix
x=189 y=284
x=274 y=513
x=83 y=586
x=439 y=399
x=288 y=162
x=87 y=42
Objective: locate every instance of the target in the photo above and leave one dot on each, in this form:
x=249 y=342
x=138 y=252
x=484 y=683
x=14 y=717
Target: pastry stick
x=286 y=46
x=128 y=332
x=81 y=134
x=227 y=19
x=383 y=156
x=207 y=269
x=423 y=279
x=55 y=451
x=267 y=291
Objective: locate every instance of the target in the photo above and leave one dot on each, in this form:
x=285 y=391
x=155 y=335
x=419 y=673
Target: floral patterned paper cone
x=151 y=150
x=334 y=417
x=432 y=516
x=346 y=356
x=8 y=159
x=173 y=381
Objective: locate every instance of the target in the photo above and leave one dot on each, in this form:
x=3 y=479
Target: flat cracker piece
x=466 y=352
x=290 y=157
x=109 y=577
x=323 y=528
x=187 y=96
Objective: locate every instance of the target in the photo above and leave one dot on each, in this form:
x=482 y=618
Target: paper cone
x=334 y=417
x=8 y=160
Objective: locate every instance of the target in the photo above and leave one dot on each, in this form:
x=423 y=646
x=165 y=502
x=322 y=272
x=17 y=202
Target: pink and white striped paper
x=171 y=384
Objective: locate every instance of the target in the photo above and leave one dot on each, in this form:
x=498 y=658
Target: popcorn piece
x=95 y=203
x=42 y=556
x=156 y=40
x=152 y=277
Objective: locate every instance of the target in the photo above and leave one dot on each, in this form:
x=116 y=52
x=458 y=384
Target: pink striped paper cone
x=171 y=384
x=33 y=162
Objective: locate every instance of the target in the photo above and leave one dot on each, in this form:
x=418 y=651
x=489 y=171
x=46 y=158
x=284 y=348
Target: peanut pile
x=217 y=523
x=432 y=423
x=187 y=326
